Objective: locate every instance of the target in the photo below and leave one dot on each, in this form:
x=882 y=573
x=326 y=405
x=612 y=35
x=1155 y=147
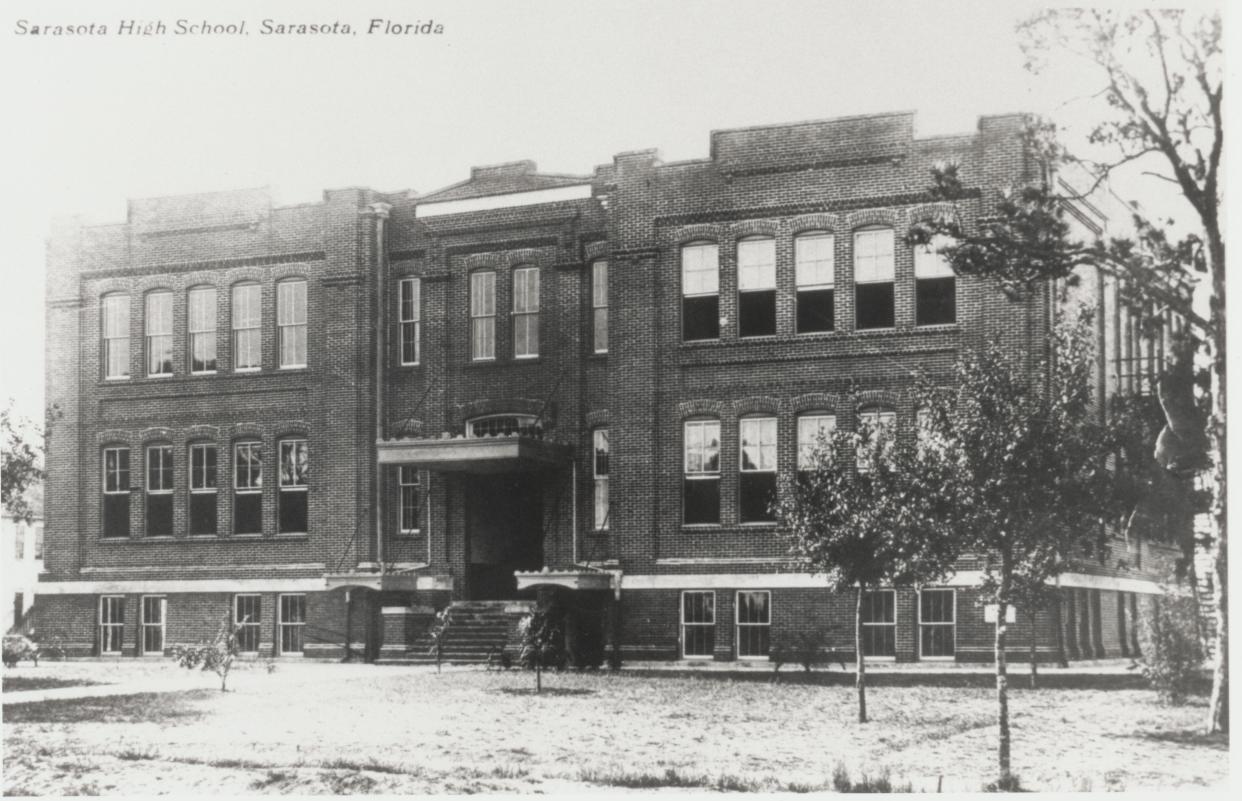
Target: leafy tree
x=1024 y=480
x=23 y=461
x=1161 y=82
x=541 y=639
x=862 y=514
x=217 y=656
x=437 y=630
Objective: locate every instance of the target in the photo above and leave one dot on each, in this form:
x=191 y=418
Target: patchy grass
x=14 y=684
x=320 y=728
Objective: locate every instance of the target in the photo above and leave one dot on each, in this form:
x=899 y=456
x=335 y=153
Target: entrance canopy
x=491 y=454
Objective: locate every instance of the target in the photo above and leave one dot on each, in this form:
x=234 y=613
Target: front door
x=504 y=523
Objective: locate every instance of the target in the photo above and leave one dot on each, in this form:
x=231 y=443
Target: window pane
x=757 y=492
x=293 y=512
x=879 y=428
x=202 y=513
x=700 y=270
x=935 y=301
x=874 y=305
x=702 y=500
x=159 y=333
x=758 y=438
x=599 y=304
x=814 y=430
x=757 y=314
x=294 y=463
x=526 y=290
x=928 y=263
x=116 y=336
x=291 y=303
x=879 y=607
x=700 y=317
x=756 y=264
x=873 y=256
x=813 y=260
x=816 y=310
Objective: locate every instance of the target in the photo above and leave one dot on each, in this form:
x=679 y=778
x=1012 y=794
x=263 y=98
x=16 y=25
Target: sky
x=92 y=121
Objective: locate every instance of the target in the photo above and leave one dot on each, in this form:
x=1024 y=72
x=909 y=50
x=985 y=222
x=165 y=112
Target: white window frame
x=740 y=626
x=201 y=324
x=254 y=480
x=292 y=484
x=198 y=480
x=145 y=625
x=256 y=625
x=756 y=272
x=113 y=476
x=813 y=270
x=291 y=316
x=114 y=324
x=768 y=444
x=282 y=624
x=875 y=256
x=483 y=316
x=111 y=631
x=246 y=316
x=157 y=320
x=700 y=278
x=881 y=419
x=410 y=315
x=600 y=487
x=953 y=624
x=890 y=625
x=165 y=451
x=681 y=614
x=599 y=306
x=823 y=422
x=526 y=307
x=404 y=472
x=697 y=470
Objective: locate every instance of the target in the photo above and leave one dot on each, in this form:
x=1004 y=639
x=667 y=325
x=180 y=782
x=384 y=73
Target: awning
x=474 y=455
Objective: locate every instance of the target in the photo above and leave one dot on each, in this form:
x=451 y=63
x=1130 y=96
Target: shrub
x=842 y=783
x=217 y=656
x=18 y=647
x=1172 y=655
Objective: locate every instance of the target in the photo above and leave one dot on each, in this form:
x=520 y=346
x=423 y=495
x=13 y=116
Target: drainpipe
x=573 y=511
x=381 y=211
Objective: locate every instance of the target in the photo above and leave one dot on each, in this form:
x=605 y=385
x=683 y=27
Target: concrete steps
x=477 y=629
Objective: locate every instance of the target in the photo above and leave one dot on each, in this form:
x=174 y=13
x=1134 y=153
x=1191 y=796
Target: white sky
x=94 y=121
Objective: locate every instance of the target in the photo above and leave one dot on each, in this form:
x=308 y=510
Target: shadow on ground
x=135 y=708
x=1017 y=680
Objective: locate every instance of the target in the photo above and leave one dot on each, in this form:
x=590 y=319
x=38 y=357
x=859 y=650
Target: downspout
x=381 y=211
x=573 y=511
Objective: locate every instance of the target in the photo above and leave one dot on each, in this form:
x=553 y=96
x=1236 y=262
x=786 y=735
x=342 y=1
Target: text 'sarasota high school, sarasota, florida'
x=330 y=420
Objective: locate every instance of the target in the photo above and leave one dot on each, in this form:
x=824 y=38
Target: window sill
x=702 y=526
x=292 y=367
x=292 y=535
x=159 y=376
x=757 y=523
x=256 y=535
x=203 y=372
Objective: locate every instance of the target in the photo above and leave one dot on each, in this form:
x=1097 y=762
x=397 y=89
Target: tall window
x=294 y=477
x=878 y=428
x=111 y=623
x=700 y=290
x=152 y=624
x=116 y=492
x=116 y=335
x=701 y=485
x=813 y=274
x=526 y=312
x=247 y=327
x=248 y=488
x=203 y=489
x=248 y=615
x=698 y=623
x=411 y=497
x=754 y=624
x=292 y=623
x=814 y=430
x=935 y=285
x=756 y=287
x=937 y=619
x=873 y=278
x=599 y=470
x=159 y=322
x=757 y=484
x=202 y=329
x=159 y=491
x=411 y=315
x=483 y=315
x=879 y=623
x=291 y=320
x=599 y=306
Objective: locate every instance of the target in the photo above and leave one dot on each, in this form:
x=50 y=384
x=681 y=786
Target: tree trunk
x=1218 y=706
x=1002 y=680
x=860 y=675
x=1034 y=655
x=1059 y=623
x=538 y=673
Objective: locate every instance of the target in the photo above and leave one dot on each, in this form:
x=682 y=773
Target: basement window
x=879 y=623
x=698 y=624
x=756 y=286
x=754 y=624
x=937 y=624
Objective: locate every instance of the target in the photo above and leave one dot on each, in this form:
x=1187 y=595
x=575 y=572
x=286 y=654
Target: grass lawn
x=310 y=728
x=12 y=684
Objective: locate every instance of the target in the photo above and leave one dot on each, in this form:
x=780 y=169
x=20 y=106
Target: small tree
x=860 y=513
x=542 y=642
x=22 y=449
x=1171 y=656
x=217 y=656
x=438 y=631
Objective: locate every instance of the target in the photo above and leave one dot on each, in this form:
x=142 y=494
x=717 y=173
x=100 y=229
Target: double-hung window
x=526 y=312
x=813 y=274
x=937 y=619
x=159 y=491
x=756 y=287
x=116 y=335
x=159 y=322
x=701 y=484
x=411 y=316
x=599 y=306
x=874 y=271
x=292 y=623
x=152 y=624
x=757 y=483
x=878 y=430
x=111 y=623
x=599 y=471
x=248 y=616
x=815 y=433
x=483 y=315
x=700 y=291
x=294 y=486
x=203 y=489
x=247 y=327
x=411 y=498
x=754 y=624
x=879 y=623
x=698 y=624
x=291 y=321
x=202 y=329
x=248 y=488
x=116 y=492
x=935 y=285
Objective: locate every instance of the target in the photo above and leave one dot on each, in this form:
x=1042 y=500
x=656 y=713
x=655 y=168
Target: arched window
x=247 y=327
x=700 y=291
x=599 y=306
x=159 y=326
x=291 y=322
x=701 y=482
x=526 y=312
x=204 y=488
x=813 y=273
x=159 y=487
x=115 y=356
x=814 y=429
x=877 y=427
x=756 y=286
x=873 y=278
x=483 y=315
x=935 y=285
x=504 y=425
x=115 y=482
x=600 y=452
x=248 y=487
x=202 y=329
x=294 y=486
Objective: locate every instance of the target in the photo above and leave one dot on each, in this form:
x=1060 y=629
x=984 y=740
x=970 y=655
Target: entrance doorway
x=504 y=515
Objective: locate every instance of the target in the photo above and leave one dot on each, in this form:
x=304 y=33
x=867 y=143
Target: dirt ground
x=327 y=728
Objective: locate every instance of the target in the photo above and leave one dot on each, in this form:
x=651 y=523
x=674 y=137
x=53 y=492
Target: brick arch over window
x=598 y=417
x=814 y=402
x=109 y=286
x=872 y=398
x=246 y=431
x=247 y=275
x=156 y=434
x=864 y=218
x=931 y=211
x=292 y=428
x=812 y=223
x=484 y=261
x=116 y=436
x=202 y=432
x=757 y=404
x=700 y=408
x=593 y=251
x=704 y=232
x=759 y=228
x=298 y=274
